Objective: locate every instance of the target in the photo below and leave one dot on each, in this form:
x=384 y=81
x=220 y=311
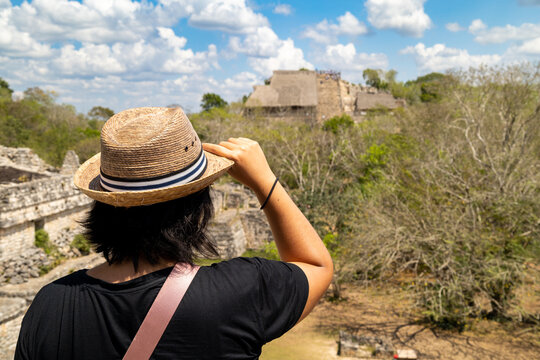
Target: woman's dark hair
x=174 y=230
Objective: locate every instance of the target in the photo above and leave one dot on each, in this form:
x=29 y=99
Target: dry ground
x=383 y=313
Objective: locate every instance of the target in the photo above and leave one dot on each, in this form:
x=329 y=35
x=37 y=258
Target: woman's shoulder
x=255 y=271
x=251 y=265
x=58 y=287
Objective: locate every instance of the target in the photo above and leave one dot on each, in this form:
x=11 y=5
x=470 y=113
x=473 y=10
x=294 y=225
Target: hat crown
x=148 y=142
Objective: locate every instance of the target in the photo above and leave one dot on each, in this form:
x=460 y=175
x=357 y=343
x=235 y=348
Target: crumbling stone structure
x=239 y=224
x=34 y=196
x=315 y=96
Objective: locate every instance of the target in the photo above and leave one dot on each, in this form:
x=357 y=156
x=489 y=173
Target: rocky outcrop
x=71 y=163
x=239 y=224
x=23 y=158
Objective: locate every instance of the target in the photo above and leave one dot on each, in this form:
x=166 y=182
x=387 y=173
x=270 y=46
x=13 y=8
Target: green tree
x=431 y=86
x=380 y=79
x=390 y=76
x=372 y=77
x=40 y=96
x=4 y=88
x=100 y=113
x=211 y=100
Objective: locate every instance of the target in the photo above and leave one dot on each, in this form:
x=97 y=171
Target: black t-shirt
x=229 y=311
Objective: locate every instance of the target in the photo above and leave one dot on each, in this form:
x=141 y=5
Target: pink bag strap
x=161 y=312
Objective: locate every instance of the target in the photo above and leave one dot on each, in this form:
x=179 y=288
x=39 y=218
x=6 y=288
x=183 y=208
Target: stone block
x=228 y=234
x=406 y=354
x=362 y=346
x=71 y=163
x=256 y=228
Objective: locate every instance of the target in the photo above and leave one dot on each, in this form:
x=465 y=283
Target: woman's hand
x=250 y=168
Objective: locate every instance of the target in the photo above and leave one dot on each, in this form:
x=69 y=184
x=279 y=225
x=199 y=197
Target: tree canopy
x=4 y=87
x=100 y=113
x=212 y=100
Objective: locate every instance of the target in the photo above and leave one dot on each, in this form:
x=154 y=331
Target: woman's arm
x=296 y=240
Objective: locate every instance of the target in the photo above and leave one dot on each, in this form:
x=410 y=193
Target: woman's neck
x=125 y=271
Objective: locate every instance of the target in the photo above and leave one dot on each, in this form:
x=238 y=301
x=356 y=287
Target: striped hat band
x=183 y=176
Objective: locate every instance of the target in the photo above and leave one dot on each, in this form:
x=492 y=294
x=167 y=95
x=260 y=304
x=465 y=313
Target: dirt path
x=382 y=314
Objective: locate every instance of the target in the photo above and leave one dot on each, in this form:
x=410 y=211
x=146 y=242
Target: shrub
x=41 y=240
x=338 y=122
x=81 y=243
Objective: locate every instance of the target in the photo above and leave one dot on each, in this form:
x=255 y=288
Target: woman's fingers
x=246 y=140
x=236 y=141
x=218 y=150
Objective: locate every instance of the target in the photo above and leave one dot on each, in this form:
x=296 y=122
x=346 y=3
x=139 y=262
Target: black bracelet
x=270 y=193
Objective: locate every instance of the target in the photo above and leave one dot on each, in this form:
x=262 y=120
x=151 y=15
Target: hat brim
x=87 y=180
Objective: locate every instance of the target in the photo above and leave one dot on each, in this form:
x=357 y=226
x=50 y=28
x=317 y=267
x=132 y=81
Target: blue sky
x=128 y=53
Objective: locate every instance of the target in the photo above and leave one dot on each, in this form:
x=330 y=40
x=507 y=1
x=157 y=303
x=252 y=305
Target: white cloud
x=441 y=58
x=499 y=35
x=162 y=55
x=90 y=21
x=262 y=43
x=231 y=16
x=288 y=57
x=530 y=47
x=454 y=27
x=267 y=52
x=187 y=61
x=172 y=40
x=90 y=59
x=242 y=81
x=477 y=25
x=125 y=53
x=16 y=43
x=99 y=21
x=344 y=58
x=405 y=16
x=326 y=32
x=283 y=9
x=348 y=24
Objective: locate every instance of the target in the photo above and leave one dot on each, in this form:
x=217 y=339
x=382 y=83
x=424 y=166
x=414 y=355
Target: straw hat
x=148 y=155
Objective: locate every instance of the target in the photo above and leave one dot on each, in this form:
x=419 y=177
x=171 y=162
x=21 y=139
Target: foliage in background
x=50 y=129
x=41 y=240
x=338 y=122
x=211 y=100
x=81 y=243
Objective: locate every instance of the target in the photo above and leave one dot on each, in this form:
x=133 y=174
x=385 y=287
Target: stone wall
x=23 y=157
x=238 y=224
x=329 y=97
x=51 y=203
x=348 y=93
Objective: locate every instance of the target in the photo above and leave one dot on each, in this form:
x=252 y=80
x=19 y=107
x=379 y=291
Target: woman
x=151 y=185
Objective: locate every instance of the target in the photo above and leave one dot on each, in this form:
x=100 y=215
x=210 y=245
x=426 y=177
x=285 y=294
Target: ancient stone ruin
x=34 y=196
x=315 y=96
